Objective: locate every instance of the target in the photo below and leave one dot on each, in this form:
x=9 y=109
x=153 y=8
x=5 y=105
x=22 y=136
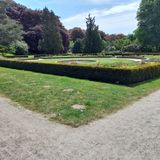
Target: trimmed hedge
x=110 y=75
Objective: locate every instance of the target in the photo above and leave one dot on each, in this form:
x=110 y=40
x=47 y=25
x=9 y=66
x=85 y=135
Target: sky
x=112 y=16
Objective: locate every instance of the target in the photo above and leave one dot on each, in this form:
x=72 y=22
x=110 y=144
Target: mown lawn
x=106 y=62
x=54 y=96
x=152 y=56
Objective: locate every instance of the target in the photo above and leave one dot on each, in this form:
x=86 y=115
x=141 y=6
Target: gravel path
x=130 y=134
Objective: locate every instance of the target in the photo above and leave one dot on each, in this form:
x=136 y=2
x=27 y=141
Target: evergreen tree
x=93 y=40
x=51 y=42
x=78 y=46
x=148 y=32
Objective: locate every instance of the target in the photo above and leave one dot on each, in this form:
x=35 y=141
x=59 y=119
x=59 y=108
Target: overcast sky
x=112 y=16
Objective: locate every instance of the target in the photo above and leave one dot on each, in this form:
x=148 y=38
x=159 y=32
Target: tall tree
x=51 y=42
x=93 y=40
x=10 y=30
x=32 y=26
x=76 y=33
x=148 y=32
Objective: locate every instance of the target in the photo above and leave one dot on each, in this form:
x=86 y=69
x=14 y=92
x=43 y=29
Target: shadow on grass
x=141 y=83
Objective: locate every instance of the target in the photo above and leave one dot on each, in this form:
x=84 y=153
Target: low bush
x=110 y=75
x=2 y=49
x=136 y=48
x=7 y=49
x=20 y=47
x=16 y=48
x=110 y=49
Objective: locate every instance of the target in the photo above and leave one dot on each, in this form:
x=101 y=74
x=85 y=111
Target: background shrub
x=78 y=46
x=132 y=48
x=21 y=47
x=136 y=48
x=110 y=48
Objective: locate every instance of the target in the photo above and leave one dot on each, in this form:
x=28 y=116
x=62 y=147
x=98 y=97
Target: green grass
x=106 y=62
x=153 y=57
x=7 y=54
x=45 y=94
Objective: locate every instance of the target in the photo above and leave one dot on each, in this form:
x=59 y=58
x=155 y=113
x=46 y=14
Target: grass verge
x=54 y=96
x=103 y=62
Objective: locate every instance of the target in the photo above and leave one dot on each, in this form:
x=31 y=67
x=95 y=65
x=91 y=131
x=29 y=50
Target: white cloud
x=122 y=23
x=105 y=12
x=110 y=20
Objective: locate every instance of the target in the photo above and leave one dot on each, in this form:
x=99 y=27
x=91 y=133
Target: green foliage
x=10 y=30
x=10 y=33
x=93 y=40
x=132 y=48
x=76 y=33
x=118 y=44
x=3 y=16
x=78 y=46
x=110 y=48
x=71 y=44
x=17 y=47
x=3 y=49
x=132 y=37
x=51 y=42
x=136 y=48
x=102 y=74
x=7 y=49
x=148 y=32
x=20 y=48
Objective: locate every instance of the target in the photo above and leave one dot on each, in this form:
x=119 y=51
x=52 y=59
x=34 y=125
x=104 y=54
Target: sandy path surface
x=130 y=134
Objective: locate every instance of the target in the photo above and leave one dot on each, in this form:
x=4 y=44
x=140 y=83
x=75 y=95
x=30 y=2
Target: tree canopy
x=76 y=33
x=51 y=41
x=148 y=32
x=10 y=30
x=93 y=40
x=78 y=46
x=31 y=20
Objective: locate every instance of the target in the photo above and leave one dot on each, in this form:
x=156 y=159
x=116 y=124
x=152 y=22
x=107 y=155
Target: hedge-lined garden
x=124 y=76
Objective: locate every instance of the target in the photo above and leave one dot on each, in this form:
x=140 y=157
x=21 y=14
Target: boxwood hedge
x=110 y=75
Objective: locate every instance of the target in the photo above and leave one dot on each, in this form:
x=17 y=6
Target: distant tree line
x=34 y=27
x=24 y=30
x=146 y=38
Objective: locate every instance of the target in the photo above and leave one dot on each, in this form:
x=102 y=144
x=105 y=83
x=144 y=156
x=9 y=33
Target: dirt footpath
x=130 y=134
